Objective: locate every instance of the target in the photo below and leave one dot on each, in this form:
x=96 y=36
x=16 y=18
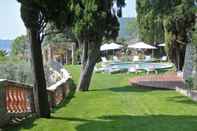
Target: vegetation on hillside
x=132 y=29
x=20 y=48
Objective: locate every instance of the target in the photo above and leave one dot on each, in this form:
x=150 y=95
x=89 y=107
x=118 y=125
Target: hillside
x=123 y=33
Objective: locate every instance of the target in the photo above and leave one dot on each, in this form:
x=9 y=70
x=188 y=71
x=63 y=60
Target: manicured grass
x=112 y=105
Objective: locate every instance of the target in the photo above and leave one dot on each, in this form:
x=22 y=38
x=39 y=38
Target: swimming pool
x=138 y=66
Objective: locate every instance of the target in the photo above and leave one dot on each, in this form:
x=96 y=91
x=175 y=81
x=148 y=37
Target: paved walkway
x=164 y=81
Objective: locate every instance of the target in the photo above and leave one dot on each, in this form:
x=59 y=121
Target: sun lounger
x=147 y=58
x=134 y=69
x=164 y=58
x=98 y=70
x=136 y=58
x=150 y=69
x=104 y=59
x=115 y=59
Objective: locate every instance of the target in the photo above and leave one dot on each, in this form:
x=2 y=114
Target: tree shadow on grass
x=141 y=123
x=182 y=99
x=126 y=89
x=26 y=124
x=70 y=119
x=136 y=123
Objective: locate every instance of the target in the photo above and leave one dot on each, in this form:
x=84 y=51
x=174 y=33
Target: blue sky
x=12 y=26
x=130 y=9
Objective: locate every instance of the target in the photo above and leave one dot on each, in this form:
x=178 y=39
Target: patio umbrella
x=104 y=47
x=162 y=45
x=112 y=46
x=141 y=45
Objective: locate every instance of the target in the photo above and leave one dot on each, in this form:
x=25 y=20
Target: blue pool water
x=139 y=66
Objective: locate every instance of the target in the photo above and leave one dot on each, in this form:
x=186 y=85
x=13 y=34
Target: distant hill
x=123 y=33
x=5 y=44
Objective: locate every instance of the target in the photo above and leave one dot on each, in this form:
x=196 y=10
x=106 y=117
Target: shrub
x=189 y=83
x=20 y=72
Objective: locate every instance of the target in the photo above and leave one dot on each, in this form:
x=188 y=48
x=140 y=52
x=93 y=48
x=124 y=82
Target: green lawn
x=112 y=105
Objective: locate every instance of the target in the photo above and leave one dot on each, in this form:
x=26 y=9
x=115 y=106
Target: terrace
x=112 y=104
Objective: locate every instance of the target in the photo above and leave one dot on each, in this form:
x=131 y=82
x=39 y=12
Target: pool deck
x=168 y=80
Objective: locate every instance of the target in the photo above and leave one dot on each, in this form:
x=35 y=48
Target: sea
x=5 y=45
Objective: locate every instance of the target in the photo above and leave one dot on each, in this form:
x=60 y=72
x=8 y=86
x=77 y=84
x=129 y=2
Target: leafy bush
x=189 y=83
x=20 y=72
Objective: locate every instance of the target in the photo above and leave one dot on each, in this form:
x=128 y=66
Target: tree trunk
x=177 y=58
x=84 y=46
x=177 y=54
x=88 y=64
x=73 y=53
x=195 y=67
x=40 y=91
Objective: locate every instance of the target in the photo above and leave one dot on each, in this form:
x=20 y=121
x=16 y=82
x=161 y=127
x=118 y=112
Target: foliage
x=77 y=57
x=20 y=72
x=3 y=55
x=95 y=21
x=72 y=88
x=20 y=47
x=194 y=35
x=173 y=18
x=55 y=36
x=149 y=23
x=112 y=105
x=57 y=39
x=189 y=83
x=132 y=28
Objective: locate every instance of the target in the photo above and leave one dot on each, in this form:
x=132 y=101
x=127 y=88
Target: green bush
x=189 y=83
x=20 y=72
x=72 y=88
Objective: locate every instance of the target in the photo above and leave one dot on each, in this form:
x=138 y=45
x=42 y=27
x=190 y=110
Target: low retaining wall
x=16 y=99
x=189 y=93
x=59 y=91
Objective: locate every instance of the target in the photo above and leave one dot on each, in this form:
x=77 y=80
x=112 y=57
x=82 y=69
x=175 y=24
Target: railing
x=17 y=99
x=58 y=92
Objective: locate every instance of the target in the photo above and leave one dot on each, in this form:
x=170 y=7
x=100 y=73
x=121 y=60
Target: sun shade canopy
x=141 y=45
x=112 y=46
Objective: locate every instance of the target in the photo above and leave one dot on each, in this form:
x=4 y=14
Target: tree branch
x=48 y=33
x=43 y=26
x=180 y=42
